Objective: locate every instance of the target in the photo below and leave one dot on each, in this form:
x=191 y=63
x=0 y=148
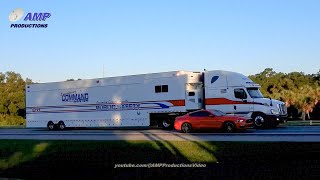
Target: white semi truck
x=153 y=99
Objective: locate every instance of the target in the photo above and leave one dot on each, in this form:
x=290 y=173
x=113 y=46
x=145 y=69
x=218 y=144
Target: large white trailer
x=114 y=101
x=145 y=100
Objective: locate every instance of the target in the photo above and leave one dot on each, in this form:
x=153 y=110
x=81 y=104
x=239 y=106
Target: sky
x=94 y=39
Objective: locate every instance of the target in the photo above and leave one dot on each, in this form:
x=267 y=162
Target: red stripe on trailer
x=177 y=102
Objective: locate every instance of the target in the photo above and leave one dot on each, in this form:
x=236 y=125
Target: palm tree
x=305 y=100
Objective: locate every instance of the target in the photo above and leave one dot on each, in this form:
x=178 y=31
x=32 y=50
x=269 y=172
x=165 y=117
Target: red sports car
x=210 y=119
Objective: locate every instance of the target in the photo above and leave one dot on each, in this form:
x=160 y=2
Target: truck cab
x=234 y=93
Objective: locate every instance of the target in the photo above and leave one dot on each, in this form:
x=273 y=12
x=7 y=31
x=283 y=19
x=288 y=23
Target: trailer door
x=194 y=96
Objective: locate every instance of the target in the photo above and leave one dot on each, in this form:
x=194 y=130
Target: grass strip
x=56 y=159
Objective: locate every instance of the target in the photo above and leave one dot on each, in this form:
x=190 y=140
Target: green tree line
x=12 y=98
x=300 y=92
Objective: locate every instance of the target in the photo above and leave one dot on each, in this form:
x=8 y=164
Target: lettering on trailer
x=118 y=106
x=74 y=97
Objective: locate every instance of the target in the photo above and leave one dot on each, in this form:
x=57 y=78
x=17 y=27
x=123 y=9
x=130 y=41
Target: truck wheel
x=50 y=125
x=259 y=120
x=167 y=124
x=229 y=127
x=61 y=125
x=186 y=128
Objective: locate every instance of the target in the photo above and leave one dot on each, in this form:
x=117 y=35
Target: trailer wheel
x=186 y=127
x=50 y=125
x=61 y=125
x=229 y=127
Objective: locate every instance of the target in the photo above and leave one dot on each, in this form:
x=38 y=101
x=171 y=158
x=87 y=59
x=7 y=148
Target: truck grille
x=282 y=109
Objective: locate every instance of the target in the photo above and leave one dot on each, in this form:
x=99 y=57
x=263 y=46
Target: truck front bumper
x=276 y=119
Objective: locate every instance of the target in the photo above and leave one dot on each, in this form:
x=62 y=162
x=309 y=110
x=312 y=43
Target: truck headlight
x=274 y=111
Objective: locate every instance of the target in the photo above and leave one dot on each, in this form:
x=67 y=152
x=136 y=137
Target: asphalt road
x=280 y=134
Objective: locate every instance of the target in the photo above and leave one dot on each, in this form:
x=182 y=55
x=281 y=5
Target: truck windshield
x=254 y=93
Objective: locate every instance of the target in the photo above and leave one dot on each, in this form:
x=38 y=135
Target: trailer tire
x=51 y=126
x=61 y=125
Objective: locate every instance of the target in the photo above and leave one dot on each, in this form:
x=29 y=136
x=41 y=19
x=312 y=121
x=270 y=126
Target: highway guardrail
x=303 y=123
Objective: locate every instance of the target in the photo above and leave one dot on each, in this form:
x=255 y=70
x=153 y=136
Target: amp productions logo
x=31 y=19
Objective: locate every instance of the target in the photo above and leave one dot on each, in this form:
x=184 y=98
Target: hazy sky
x=142 y=36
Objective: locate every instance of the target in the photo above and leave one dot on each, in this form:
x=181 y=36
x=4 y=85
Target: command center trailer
x=153 y=99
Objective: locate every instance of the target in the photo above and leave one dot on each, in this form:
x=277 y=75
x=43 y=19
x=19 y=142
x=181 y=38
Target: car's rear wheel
x=186 y=128
x=229 y=127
